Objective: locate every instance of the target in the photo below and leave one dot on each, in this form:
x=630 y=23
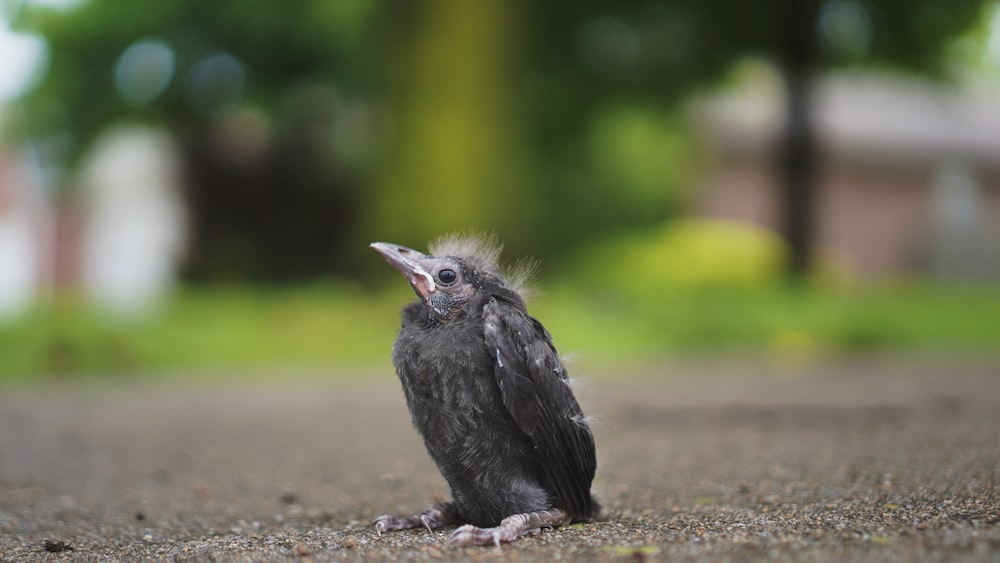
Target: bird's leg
x=510 y=528
x=441 y=514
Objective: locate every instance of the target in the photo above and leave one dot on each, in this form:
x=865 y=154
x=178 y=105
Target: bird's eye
x=447 y=276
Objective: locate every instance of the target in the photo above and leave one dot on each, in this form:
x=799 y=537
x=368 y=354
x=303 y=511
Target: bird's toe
x=383 y=523
x=470 y=535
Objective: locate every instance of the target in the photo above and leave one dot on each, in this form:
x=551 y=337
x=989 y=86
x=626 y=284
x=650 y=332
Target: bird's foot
x=439 y=515
x=510 y=528
x=388 y=522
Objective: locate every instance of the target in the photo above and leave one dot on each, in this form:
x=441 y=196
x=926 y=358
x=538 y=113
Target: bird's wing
x=536 y=392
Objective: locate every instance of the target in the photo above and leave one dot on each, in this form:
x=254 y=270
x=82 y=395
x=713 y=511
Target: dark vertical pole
x=798 y=151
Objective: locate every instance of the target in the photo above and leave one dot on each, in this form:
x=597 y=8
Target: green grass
x=325 y=328
x=214 y=330
x=905 y=319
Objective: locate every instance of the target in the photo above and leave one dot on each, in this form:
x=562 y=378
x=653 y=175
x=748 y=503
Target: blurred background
x=190 y=187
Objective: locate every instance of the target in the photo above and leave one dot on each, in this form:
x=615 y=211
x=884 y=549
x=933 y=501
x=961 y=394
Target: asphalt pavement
x=880 y=459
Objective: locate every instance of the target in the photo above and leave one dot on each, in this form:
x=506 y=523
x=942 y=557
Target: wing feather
x=536 y=392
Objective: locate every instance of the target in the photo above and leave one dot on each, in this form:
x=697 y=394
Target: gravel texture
x=872 y=460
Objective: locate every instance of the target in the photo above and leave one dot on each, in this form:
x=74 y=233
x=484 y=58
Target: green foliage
x=645 y=156
x=706 y=286
x=282 y=45
x=687 y=255
x=207 y=330
x=609 y=325
x=339 y=330
x=549 y=122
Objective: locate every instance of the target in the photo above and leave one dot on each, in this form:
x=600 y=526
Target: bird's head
x=448 y=279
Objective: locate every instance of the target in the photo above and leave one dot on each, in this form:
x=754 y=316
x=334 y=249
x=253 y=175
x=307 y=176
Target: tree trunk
x=797 y=159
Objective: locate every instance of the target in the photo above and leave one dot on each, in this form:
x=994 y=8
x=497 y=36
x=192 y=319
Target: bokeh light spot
x=216 y=82
x=144 y=70
x=23 y=63
x=845 y=28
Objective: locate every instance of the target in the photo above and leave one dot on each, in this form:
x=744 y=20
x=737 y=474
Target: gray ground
x=873 y=460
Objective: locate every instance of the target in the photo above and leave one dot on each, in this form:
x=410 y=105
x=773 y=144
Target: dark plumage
x=490 y=397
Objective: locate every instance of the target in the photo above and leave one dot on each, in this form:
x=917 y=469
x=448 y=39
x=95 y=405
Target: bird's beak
x=412 y=264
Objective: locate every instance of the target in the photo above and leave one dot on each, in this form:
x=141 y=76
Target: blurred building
x=909 y=177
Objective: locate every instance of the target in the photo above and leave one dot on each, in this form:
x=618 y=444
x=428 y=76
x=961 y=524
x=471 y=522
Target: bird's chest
x=447 y=376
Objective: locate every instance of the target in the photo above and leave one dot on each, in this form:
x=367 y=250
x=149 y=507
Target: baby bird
x=490 y=397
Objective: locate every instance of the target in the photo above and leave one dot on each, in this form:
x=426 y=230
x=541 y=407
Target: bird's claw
x=382 y=523
x=469 y=535
x=426 y=522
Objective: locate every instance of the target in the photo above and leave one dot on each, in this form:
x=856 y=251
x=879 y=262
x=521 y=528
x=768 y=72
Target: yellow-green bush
x=690 y=255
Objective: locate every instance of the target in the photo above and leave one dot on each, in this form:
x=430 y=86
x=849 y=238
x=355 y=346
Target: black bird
x=490 y=397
